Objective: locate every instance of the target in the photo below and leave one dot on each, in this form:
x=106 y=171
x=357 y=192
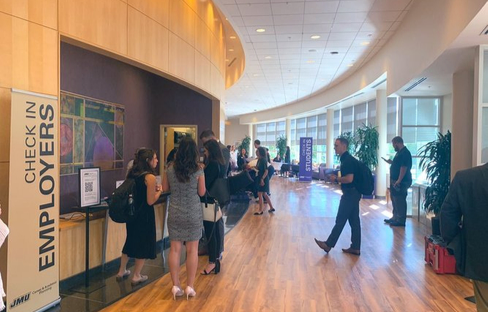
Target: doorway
x=170 y=136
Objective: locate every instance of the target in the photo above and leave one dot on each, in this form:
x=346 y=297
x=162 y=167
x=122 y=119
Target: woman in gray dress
x=186 y=181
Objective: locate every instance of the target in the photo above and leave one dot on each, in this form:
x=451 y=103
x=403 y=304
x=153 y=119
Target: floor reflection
x=113 y=290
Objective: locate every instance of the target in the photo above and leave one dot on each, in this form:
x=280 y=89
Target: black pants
x=348 y=211
x=399 y=201
x=215 y=239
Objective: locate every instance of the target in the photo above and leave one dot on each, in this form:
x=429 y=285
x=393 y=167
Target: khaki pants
x=481 y=295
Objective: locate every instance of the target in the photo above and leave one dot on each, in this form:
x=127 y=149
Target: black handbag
x=220 y=191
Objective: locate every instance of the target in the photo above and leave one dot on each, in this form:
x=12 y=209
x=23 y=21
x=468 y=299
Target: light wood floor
x=271 y=263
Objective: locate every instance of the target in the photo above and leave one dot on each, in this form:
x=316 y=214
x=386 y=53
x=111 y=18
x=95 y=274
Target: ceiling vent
x=484 y=32
x=416 y=83
x=373 y=87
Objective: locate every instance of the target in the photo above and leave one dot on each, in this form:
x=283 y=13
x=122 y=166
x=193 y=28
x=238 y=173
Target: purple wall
x=149 y=101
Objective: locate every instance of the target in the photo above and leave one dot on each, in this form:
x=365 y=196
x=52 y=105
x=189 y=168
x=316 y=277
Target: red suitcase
x=438 y=257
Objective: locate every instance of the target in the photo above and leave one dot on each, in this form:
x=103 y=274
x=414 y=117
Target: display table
x=105 y=242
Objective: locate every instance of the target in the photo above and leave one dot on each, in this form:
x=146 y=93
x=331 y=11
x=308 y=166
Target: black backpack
x=123 y=207
x=363 y=179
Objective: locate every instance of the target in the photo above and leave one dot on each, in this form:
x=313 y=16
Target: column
x=288 y=131
x=251 y=151
x=330 y=138
x=381 y=120
x=462 y=116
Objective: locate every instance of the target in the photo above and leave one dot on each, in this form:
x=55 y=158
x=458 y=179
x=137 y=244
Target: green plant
x=281 y=145
x=245 y=143
x=435 y=159
x=366 y=145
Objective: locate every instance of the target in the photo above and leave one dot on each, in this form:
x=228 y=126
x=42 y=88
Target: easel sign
x=89 y=186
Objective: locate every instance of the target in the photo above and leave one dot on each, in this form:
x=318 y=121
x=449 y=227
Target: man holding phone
x=400 y=181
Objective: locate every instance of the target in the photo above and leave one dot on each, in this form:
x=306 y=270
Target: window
x=267 y=133
x=314 y=127
x=420 y=125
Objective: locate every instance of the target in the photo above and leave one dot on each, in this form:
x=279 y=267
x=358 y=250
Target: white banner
x=33 y=252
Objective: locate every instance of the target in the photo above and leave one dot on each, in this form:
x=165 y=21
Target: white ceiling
x=284 y=64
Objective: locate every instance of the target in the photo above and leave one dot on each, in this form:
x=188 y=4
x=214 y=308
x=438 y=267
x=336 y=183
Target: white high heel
x=190 y=292
x=176 y=291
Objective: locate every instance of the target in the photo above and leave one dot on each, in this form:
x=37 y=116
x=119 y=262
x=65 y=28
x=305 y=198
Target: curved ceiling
x=288 y=62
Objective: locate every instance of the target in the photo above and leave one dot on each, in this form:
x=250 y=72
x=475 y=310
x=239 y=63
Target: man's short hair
x=397 y=139
x=257 y=142
x=343 y=141
x=207 y=134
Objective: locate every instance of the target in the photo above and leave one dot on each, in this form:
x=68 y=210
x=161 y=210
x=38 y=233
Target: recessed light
x=312 y=50
x=364 y=43
x=231 y=50
x=334 y=52
x=226 y=60
x=232 y=37
x=350 y=65
x=310 y=61
x=314 y=37
x=260 y=30
x=255 y=75
x=268 y=57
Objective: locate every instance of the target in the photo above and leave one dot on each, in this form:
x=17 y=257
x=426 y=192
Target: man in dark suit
x=464 y=219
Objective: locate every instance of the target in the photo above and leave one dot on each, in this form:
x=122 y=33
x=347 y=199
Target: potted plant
x=281 y=146
x=366 y=145
x=435 y=159
x=245 y=143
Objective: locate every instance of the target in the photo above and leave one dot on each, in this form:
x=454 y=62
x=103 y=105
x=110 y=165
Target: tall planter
x=435 y=159
x=281 y=146
x=245 y=143
x=366 y=145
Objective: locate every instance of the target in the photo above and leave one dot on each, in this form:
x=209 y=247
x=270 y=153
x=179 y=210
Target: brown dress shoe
x=352 y=251
x=323 y=245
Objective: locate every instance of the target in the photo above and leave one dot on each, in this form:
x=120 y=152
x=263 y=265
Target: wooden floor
x=271 y=263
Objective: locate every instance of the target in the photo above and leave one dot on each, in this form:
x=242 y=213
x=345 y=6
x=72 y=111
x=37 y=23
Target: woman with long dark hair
x=263 y=181
x=140 y=242
x=186 y=181
x=214 y=168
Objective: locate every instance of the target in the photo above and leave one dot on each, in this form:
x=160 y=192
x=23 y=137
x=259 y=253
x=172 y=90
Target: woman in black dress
x=263 y=181
x=140 y=242
x=214 y=168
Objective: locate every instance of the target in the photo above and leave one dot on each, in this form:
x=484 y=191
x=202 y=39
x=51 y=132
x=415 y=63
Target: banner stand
x=306 y=148
x=33 y=218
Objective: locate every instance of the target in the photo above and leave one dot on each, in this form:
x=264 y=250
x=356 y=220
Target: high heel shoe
x=190 y=292
x=258 y=213
x=177 y=292
x=217 y=266
x=214 y=270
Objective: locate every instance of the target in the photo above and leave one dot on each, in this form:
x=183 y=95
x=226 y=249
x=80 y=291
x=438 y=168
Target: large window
x=267 y=133
x=420 y=125
x=314 y=127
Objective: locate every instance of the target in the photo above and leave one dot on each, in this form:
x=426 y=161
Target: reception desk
x=72 y=239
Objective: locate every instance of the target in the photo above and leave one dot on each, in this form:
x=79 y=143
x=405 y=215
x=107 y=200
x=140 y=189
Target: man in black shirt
x=349 y=204
x=400 y=181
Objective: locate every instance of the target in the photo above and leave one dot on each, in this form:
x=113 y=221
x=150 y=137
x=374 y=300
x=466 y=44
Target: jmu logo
x=20 y=300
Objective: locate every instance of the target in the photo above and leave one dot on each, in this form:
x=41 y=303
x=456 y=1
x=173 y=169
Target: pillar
x=381 y=120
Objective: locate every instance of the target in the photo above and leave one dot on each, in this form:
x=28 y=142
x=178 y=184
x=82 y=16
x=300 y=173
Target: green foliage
x=366 y=145
x=435 y=159
x=281 y=146
x=245 y=143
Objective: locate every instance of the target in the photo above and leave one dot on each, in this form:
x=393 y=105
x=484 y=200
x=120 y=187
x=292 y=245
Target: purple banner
x=305 y=174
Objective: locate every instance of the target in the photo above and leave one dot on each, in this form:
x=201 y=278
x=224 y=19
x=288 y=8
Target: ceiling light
x=314 y=37
x=226 y=60
x=231 y=50
x=364 y=43
x=268 y=57
x=310 y=61
x=260 y=30
x=312 y=50
x=350 y=65
x=334 y=52
x=255 y=75
x=232 y=37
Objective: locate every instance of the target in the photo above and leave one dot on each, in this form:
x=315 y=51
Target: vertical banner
x=33 y=218
x=305 y=174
